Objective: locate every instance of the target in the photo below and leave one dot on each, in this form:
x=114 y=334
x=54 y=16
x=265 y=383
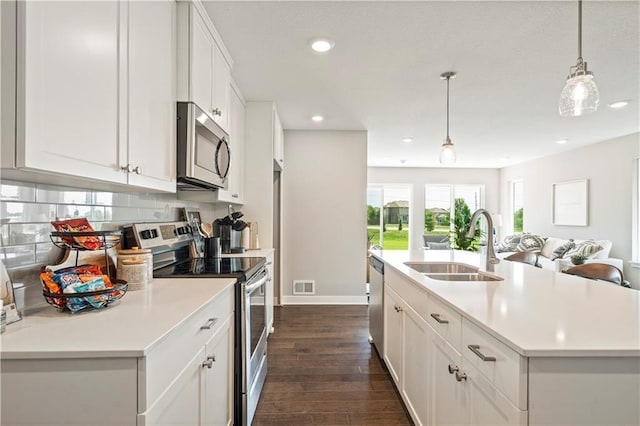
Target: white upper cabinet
x=204 y=64
x=278 y=142
x=235 y=190
x=152 y=94
x=69 y=89
x=95 y=93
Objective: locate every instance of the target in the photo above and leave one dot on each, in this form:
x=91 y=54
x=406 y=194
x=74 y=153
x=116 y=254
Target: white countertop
x=536 y=312
x=129 y=328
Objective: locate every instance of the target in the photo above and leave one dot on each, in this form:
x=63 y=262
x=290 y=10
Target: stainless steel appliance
x=376 y=304
x=203 y=153
x=169 y=243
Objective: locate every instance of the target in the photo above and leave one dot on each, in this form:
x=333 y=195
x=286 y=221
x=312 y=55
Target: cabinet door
x=268 y=296
x=202 y=47
x=152 y=94
x=449 y=399
x=278 y=141
x=235 y=191
x=180 y=403
x=415 y=362
x=488 y=406
x=221 y=88
x=393 y=331
x=218 y=386
x=68 y=120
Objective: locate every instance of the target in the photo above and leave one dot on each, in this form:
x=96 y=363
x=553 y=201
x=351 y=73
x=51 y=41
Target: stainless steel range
x=170 y=245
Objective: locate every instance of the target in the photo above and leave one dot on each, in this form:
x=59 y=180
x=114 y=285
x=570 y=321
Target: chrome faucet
x=491 y=253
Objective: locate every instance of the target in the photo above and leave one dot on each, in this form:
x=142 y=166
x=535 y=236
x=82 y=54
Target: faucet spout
x=491 y=253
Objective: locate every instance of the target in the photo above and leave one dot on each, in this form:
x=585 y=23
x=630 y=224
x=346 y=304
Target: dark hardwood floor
x=323 y=371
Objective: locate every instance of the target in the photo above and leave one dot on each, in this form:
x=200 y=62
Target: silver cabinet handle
x=209 y=362
x=461 y=376
x=128 y=168
x=398 y=308
x=234 y=195
x=476 y=350
x=453 y=368
x=210 y=323
x=437 y=318
x=216 y=111
x=138 y=170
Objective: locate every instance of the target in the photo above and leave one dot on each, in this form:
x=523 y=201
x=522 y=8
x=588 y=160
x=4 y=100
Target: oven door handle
x=249 y=287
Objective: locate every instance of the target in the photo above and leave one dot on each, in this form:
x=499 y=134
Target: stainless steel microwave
x=203 y=153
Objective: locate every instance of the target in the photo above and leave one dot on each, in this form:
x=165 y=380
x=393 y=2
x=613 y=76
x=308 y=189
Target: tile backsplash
x=26 y=210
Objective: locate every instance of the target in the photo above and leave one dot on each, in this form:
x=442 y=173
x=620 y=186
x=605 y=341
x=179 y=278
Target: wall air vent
x=304 y=287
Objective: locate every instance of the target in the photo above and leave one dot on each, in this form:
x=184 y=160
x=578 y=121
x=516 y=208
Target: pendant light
x=447 y=155
x=580 y=95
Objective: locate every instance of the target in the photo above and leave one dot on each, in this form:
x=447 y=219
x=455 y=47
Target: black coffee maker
x=229 y=229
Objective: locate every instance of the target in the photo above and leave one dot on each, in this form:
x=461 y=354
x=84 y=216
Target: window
x=440 y=201
x=389 y=230
x=517 y=204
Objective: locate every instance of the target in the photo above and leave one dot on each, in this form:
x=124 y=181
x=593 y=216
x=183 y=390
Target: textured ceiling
x=512 y=59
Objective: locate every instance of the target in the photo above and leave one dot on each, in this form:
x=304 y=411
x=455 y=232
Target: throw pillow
x=531 y=243
x=438 y=246
x=510 y=243
x=588 y=248
x=562 y=249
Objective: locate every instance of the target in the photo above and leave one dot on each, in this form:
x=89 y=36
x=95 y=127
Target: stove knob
x=148 y=234
x=182 y=230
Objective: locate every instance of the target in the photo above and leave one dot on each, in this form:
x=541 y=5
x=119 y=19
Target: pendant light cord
x=580 y=29
x=448 y=78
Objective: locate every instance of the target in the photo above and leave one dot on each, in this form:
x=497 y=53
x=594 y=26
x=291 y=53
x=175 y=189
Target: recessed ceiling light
x=562 y=141
x=618 y=104
x=317 y=118
x=322 y=45
x=403 y=161
x=407 y=140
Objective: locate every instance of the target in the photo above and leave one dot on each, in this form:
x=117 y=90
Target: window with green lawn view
x=441 y=230
x=517 y=198
x=389 y=230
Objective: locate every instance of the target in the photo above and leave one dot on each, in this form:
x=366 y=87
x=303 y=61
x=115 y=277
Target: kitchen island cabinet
x=535 y=348
x=159 y=356
x=95 y=93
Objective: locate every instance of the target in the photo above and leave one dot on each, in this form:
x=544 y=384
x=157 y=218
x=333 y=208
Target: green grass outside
x=392 y=238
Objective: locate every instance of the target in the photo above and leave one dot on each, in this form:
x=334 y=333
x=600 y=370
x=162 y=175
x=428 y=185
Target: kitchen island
x=531 y=346
x=158 y=356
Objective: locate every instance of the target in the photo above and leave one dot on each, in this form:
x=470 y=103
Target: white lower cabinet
x=406 y=345
x=449 y=402
x=393 y=334
x=217 y=389
x=185 y=379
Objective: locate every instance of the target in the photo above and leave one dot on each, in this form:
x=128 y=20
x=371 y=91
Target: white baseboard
x=324 y=300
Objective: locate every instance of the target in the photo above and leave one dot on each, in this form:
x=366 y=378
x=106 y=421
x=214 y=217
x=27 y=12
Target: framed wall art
x=571 y=203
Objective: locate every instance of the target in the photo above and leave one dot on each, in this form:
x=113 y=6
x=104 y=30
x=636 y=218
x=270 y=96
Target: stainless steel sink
x=476 y=276
x=441 y=267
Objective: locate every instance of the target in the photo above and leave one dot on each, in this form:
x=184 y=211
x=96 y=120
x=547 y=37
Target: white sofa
x=551 y=243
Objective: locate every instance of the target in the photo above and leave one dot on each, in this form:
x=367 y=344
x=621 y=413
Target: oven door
x=204 y=156
x=255 y=342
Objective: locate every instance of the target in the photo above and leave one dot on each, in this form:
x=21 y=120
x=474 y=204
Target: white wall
x=610 y=168
x=419 y=177
x=324 y=215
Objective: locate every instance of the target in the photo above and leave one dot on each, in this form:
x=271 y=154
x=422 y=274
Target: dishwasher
x=376 y=306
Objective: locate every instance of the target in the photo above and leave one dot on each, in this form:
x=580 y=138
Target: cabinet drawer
x=445 y=321
x=165 y=361
x=502 y=366
x=412 y=295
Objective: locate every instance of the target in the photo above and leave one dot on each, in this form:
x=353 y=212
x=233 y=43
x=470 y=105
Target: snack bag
x=78 y=225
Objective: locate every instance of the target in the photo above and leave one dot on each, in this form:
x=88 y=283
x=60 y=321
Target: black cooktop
x=217 y=267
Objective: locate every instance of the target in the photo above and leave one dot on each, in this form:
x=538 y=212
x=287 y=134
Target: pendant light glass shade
x=580 y=94
x=447 y=154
